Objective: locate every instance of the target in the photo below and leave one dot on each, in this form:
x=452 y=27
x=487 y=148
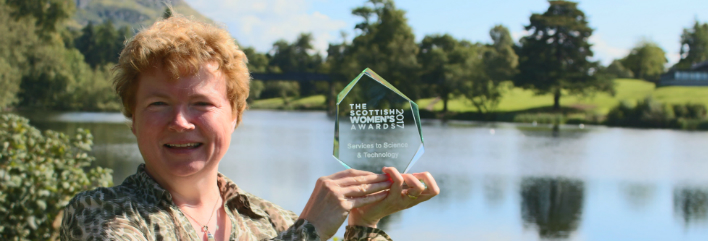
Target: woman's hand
x=397 y=199
x=335 y=195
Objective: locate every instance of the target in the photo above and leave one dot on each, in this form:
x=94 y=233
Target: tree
x=18 y=37
x=386 y=44
x=646 y=61
x=258 y=63
x=41 y=69
x=47 y=13
x=617 y=70
x=101 y=44
x=446 y=64
x=167 y=13
x=296 y=57
x=694 y=46
x=499 y=62
x=443 y=60
x=555 y=56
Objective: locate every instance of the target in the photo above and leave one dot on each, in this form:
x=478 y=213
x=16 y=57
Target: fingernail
x=389 y=177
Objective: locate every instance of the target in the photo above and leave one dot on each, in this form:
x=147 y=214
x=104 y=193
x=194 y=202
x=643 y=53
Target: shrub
x=652 y=114
x=39 y=174
x=696 y=111
x=690 y=111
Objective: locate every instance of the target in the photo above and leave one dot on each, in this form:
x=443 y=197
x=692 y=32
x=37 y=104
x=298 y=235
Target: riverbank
x=519 y=105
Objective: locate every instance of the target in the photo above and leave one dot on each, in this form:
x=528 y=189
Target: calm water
x=498 y=181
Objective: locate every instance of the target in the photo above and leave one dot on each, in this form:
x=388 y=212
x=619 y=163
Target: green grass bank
x=519 y=105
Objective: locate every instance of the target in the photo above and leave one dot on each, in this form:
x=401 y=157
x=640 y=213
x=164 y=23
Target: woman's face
x=183 y=126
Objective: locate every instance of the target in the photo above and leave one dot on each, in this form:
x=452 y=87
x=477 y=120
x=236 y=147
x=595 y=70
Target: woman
x=184 y=85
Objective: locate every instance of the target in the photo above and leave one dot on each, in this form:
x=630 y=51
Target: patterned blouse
x=139 y=209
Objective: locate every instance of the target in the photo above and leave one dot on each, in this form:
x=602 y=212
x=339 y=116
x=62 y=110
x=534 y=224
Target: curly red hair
x=181 y=46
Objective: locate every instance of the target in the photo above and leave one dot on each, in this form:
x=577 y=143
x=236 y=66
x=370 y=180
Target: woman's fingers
x=365 y=189
x=350 y=173
x=432 y=188
x=362 y=179
x=357 y=202
x=396 y=178
x=415 y=187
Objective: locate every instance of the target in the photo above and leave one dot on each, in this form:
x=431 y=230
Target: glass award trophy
x=376 y=126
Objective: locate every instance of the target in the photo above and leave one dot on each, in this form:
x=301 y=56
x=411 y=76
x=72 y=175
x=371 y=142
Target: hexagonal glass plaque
x=376 y=126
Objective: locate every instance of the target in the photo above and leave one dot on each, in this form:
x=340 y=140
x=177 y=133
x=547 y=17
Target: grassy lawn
x=309 y=102
x=517 y=99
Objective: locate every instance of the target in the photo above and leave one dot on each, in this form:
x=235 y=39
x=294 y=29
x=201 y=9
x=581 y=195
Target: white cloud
x=260 y=23
x=604 y=51
x=673 y=58
x=517 y=35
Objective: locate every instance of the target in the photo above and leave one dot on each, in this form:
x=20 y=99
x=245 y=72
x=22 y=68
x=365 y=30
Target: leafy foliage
x=555 y=56
x=39 y=173
x=167 y=14
x=47 y=13
x=447 y=64
x=101 y=44
x=617 y=70
x=299 y=56
x=694 y=46
x=386 y=44
x=18 y=37
x=646 y=61
x=499 y=63
x=653 y=114
x=44 y=71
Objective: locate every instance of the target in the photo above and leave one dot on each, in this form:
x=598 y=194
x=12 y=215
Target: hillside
x=133 y=13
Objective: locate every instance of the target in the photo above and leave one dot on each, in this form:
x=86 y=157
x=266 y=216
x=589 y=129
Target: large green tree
x=694 y=45
x=646 y=61
x=554 y=57
x=445 y=64
x=384 y=43
x=499 y=62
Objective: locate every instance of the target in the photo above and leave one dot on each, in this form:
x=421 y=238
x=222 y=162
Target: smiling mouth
x=184 y=146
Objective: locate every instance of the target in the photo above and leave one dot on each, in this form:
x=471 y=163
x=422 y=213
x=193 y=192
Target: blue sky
x=618 y=24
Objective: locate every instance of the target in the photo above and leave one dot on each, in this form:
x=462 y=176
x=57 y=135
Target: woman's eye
x=203 y=104
x=158 y=103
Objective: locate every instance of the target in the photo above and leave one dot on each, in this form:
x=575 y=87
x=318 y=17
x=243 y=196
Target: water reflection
x=494 y=190
x=499 y=181
x=453 y=188
x=637 y=195
x=552 y=205
x=691 y=204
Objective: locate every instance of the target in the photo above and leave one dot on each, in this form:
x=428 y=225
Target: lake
x=499 y=181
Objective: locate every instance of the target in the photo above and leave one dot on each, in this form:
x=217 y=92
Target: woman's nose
x=181 y=121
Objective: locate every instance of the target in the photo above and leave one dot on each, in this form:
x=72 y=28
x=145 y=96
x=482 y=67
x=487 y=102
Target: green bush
x=652 y=114
x=39 y=174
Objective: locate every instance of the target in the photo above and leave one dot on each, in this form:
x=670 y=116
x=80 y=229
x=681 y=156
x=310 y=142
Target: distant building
x=697 y=75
